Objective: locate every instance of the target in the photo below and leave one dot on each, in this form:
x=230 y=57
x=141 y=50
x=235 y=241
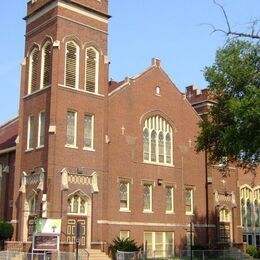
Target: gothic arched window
x=46 y=64
x=246 y=202
x=257 y=206
x=157 y=141
x=77 y=204
x=72 y=65
x=33 y=204
x=33 y=70
x=91 y=70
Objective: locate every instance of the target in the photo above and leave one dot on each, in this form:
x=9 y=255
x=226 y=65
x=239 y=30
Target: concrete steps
x=94 y=254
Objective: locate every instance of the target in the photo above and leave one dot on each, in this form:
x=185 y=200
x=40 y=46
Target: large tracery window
x=91 y=82
x=246 y=202
x=157 y=141
x=257 y=207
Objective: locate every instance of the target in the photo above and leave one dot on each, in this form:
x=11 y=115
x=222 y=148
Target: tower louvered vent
x=91 y=70
x=47 y=64
x=71 y=65
x=34 y=70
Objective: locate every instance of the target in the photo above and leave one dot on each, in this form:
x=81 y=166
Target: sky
x=175 y=31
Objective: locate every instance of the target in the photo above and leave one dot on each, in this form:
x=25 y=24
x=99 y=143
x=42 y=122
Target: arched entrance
x=79 y=211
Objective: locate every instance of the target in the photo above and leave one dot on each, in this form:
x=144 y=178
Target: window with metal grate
x=72 y=57
x=91 y=70
x=33 y=70
x=46 y=65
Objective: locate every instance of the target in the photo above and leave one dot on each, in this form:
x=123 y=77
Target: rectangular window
x=71 y=128
x=124 y=234
x=124 y=196
x=88 y=131
x=41 y=129
x=189 y=201
x=169 y=200
x=159 y=244
x=147 y=193
x=257 y=240
x=30 y=132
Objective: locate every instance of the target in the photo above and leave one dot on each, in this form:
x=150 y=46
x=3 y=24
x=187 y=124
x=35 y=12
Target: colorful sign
x=48 y=225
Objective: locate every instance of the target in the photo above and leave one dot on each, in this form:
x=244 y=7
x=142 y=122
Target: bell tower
x=63 y=106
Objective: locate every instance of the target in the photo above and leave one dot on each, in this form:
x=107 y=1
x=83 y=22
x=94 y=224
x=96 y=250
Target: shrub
x=6 y=230
x=251 y=250
x=125 y=245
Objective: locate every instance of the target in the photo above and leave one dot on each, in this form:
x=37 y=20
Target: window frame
x=171 y=211
x=30 y=133
x=122 y=236
x=155 y=152
x=80 y=198
x=127 y=208
x=246 y=195
x=33 y=203
x=74 y=145
x=91 y=147
x=164 y=243
x=150 y=209
x=41 y=131
x=76 y=85
x=190 y=212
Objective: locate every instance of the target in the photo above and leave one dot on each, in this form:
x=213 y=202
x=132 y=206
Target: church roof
x=8 y=134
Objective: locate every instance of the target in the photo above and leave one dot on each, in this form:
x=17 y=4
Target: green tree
x=231 y=130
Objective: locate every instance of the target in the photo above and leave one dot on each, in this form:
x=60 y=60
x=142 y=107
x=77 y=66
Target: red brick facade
x=60 y=176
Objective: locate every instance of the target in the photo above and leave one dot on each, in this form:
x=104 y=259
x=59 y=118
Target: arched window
x=46 y=64
x=243 y=212
x=224 y=215
x=257 y=206
x=77 y=204
x=33 y=70
x=153 y=146
x=72 y=64
x=248 y=213
x=246 y=202
x=33 y=204
x=146 y=144
x=91 y=81
x=157 y=141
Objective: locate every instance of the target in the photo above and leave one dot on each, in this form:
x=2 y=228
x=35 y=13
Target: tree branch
x=254 y=34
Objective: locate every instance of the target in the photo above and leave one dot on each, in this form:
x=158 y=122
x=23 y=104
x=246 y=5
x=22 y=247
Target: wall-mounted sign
x=46 y=242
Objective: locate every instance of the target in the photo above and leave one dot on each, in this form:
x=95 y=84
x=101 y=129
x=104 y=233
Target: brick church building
x=118 y=157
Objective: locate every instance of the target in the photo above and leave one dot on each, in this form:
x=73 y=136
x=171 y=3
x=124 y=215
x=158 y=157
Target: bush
x=251 y=250
x=125 y=245
x=6 y=230
x=258 y=254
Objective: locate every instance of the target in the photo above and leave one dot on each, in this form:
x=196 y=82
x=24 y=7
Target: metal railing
x=16 y=255
x=212 y=255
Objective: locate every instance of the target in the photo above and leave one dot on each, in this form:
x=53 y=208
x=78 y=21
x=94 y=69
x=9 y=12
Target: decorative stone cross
x=123 y=130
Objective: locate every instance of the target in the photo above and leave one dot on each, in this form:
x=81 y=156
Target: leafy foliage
x=231 y=129
x=125 y=245
x=251 y=250
x=6 y=230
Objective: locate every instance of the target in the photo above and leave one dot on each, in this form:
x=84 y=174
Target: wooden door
x=71 y=231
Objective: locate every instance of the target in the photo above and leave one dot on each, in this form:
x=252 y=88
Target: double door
x=71 y=230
